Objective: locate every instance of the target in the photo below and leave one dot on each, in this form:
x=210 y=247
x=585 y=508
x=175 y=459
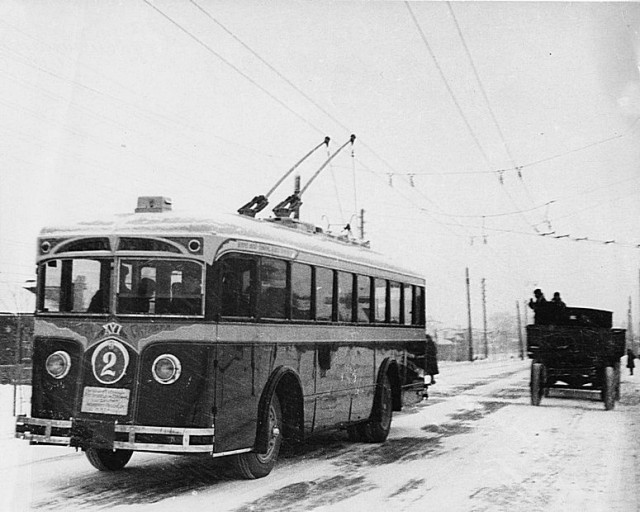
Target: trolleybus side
x=222 y=335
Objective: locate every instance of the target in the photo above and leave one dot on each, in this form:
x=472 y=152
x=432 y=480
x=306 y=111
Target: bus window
x=238 y=275
x=418 y=317
x=324 y=294
x=301 y=291
x=273 y=288
x=364 y=299
x=75 y=286
x=407 y=304
x=186 y=289
x=345 y=297
x=394 y=303
x=380 y=298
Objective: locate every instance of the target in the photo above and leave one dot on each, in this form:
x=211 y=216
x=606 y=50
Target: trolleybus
x=223 y=335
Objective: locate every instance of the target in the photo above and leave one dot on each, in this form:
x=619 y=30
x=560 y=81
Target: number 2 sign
x=110 y=361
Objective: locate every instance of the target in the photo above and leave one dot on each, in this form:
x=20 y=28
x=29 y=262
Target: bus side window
x=324 y=294
x=345 y=297
x=394 y=302
x=380 y=300
x=364 y=299
x=238 y=276
x=301 y=291
x=418 y=316
x=407 y=304
x=273 y=288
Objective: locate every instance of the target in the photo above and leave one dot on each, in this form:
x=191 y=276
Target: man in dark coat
x=631 y=364
x=431 y=359
x=540 y=307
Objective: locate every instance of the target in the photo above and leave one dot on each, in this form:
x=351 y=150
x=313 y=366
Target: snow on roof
x=227 y=226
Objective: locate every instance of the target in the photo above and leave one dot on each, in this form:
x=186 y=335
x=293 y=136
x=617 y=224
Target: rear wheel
x=108 y=460
x=537 y=383
x=609 y=391
x=257 y=465
x=377 y=428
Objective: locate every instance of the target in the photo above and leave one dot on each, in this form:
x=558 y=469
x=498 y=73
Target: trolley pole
x=469 y=315
x=520 y=338
x=361 y=223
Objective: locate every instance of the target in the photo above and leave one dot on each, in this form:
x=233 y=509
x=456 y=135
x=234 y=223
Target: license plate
x=106 y=400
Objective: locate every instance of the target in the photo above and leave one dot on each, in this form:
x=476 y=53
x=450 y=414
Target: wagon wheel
x=537 y=383
x=609 y=390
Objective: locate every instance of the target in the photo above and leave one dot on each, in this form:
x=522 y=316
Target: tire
x=108 y=460
x=609 y=391
x=537 y=383
x=377 y=428
x=356 y=432
x=258 y=465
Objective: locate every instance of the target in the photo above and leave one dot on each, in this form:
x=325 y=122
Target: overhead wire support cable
x=231 y=65
x=459 y=108
x=259 y=203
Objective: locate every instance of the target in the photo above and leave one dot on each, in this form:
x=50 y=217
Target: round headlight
x=166 y=369
x=58 y=364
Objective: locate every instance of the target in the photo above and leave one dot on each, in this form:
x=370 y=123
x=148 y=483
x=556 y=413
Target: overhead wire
x=233 y=66
x=461 y=113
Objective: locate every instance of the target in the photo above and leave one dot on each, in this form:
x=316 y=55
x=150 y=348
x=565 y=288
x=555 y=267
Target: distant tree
x=504 y=323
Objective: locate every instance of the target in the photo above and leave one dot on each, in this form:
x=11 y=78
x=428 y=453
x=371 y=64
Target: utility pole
x=484 y=318
x=362 y=224
x=520 y=338
x=630 y=326
x=469 y=315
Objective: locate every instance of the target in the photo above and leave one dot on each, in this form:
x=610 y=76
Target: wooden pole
x=469 y=315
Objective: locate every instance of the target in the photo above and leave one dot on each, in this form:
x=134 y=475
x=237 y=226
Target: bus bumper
x=85 y=434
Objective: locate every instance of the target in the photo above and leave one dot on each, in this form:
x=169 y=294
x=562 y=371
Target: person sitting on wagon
x=540 y=307
x=559 y=309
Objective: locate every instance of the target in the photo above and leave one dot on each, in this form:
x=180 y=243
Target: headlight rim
x=177 y=369
x=67 y=362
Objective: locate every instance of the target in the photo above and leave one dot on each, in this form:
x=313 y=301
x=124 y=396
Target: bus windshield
x=144 y=286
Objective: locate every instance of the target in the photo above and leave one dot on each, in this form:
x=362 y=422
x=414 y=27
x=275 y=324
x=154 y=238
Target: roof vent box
x=153 y=204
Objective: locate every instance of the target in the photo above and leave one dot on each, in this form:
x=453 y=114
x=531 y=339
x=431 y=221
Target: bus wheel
x=257 y=465
x=108 y=460
x=609 y=391
x=377 y=428
x=356 y=432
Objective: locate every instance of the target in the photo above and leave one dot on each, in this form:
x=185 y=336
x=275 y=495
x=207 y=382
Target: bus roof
x=226 y=226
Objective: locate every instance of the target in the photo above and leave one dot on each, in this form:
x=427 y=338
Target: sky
x=498 y=137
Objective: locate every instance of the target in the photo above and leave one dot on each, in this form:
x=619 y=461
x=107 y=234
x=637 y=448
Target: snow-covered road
x=476 y=445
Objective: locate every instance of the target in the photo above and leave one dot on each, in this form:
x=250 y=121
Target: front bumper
x=124 y=437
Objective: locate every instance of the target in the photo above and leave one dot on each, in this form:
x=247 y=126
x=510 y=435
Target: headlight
x=166 y=369
x=58 y=364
